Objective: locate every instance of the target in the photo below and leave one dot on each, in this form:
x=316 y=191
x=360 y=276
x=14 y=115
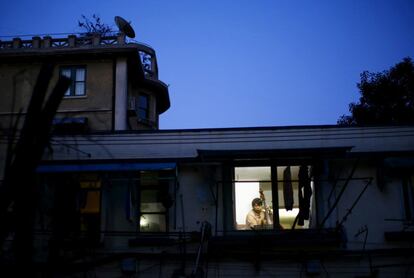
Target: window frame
x=163 y=181
x=72 y=88
x=68 y=196
x=273 y=164
x=87 y=188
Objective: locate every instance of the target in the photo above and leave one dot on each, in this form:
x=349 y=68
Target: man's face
x=257 y=208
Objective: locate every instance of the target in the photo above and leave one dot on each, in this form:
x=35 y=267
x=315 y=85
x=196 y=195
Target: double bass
x=266 y=209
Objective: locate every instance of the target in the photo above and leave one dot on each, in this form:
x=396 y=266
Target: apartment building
x=114 y=86
x=116 y=197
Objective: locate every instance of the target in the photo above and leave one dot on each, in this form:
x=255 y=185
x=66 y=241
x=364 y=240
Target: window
x=154 y=201
x=143 y=107
x=90 y=207
x=69 y=208
x=294 y=196
x=77 y=74
x=145 y=197
x=146 y=60
x=249 y=182
x=283 y=193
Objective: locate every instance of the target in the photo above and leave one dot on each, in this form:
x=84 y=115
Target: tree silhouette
x=24 y=154
x=93 y=26
x=386 y=97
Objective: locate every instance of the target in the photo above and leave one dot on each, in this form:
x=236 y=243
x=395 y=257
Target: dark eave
x=273 y=153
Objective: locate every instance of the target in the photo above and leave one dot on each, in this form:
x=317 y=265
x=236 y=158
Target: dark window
x=143 y=107
x=70 y=208
x=77 y=75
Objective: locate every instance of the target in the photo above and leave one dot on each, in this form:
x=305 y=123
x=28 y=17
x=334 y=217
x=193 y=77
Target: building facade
x=123 y=199
x=114 y=84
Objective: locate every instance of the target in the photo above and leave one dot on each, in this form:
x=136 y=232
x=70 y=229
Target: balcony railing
x=146 y=54
x=69 y=41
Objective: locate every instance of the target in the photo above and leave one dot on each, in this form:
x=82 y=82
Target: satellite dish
x=124 y=27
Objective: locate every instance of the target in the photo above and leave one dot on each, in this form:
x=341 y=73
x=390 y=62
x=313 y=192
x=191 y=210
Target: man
x=255 y=217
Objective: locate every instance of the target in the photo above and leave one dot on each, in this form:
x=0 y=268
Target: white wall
x=195 y=181
x=121 y=94
x=371 y=211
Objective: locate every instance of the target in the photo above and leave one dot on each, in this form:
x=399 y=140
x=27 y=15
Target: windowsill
x=151 y=239
x=82 y=242
x=147 y=122
x=239 y=241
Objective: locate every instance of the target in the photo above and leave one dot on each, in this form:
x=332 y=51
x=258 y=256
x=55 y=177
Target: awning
x=105 y=167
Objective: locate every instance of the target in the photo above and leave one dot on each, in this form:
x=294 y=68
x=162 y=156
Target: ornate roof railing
x=146 y=53
x=69 y=41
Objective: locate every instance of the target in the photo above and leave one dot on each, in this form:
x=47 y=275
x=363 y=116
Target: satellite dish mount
x=124 y=27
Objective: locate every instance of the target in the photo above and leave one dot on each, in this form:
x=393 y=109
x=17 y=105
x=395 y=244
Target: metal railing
x=69 y=41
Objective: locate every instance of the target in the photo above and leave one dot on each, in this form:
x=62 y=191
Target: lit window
x=253 y=187
x=283 y=202
x=154 y=202
x=77 y=75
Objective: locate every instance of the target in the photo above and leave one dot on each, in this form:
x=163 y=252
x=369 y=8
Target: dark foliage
x=17 y=189
x=387 y=97
x=94 y=26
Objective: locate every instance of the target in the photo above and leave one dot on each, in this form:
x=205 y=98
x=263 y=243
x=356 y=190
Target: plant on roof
x=94 y=25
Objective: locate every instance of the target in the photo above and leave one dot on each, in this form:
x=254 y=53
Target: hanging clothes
x=305 y=193
x=287 y=189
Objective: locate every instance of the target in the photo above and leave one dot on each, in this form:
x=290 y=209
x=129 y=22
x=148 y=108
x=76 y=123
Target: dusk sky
x=246 y=63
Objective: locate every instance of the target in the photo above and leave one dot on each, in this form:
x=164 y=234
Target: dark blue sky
x=247 y=63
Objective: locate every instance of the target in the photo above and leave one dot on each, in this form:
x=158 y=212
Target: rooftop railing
x=69 y=41
x=146 y=53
